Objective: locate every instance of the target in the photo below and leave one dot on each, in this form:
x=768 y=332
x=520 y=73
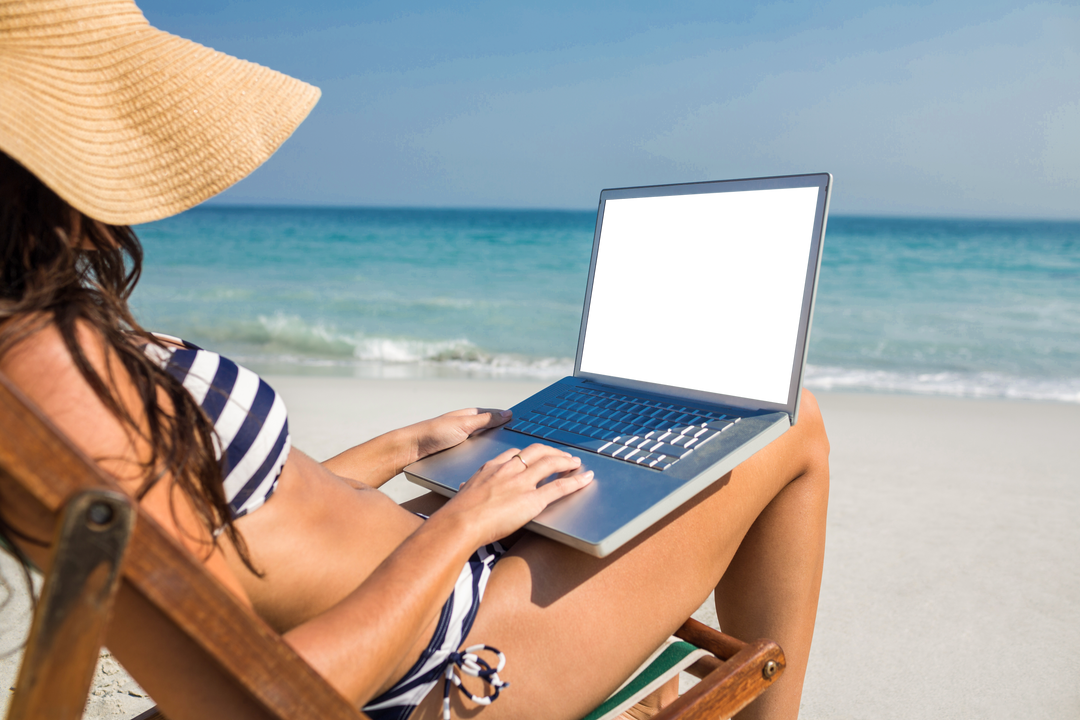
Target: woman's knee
x=811 y=426
x=813 y=480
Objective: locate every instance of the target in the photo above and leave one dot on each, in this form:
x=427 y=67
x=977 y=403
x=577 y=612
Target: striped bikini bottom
x=442 y=657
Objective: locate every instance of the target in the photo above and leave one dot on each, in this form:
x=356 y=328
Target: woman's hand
x=507 y=492
x=453 y=428
x=374 y=462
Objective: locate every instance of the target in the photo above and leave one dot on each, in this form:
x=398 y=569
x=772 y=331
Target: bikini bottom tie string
x=474 y=665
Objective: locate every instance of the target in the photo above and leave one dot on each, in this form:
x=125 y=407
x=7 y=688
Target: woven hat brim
x=134 y=125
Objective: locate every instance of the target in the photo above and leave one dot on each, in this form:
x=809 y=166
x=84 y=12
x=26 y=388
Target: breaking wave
x=282 y=340
x=968 y=385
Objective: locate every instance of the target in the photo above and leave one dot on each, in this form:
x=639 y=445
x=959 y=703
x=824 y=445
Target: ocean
x=970 y=308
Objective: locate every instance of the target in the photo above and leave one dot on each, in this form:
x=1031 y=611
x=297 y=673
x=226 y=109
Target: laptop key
x=669 y=450
x=721 y=424
x=578 y=441
x=645 y=458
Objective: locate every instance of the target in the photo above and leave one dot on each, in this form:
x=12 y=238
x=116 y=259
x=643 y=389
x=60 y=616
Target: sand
x=951 y=587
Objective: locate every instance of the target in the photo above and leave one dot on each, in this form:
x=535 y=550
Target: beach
x=950 y=589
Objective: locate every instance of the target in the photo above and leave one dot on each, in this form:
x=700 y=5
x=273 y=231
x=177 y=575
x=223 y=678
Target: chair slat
x=71 y=614
x=699 y=634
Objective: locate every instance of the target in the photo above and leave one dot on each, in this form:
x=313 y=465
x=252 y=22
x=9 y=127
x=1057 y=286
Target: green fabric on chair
x=668 y=661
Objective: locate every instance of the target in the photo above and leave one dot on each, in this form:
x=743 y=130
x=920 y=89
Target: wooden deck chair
x=105 y=560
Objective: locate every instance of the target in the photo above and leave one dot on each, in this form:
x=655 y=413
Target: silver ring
x=522 y=461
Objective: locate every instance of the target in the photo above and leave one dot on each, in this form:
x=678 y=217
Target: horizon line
x=227 y=205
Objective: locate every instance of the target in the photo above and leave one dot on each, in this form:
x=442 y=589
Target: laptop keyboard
x=653 y=433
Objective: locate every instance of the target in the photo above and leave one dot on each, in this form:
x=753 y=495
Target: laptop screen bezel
x=822 y=181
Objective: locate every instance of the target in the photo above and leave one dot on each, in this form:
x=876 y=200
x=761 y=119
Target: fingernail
x=506 y=413
x=588 y=474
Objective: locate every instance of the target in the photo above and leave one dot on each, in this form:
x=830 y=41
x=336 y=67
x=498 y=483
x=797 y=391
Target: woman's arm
x=360 y=642
x=374 y=462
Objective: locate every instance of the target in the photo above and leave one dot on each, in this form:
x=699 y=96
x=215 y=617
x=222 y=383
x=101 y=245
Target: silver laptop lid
x=705 y=290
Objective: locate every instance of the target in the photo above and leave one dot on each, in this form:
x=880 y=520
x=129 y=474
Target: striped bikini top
x=251 y=426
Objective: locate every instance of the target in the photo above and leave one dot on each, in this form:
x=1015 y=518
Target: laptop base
x=623 y=500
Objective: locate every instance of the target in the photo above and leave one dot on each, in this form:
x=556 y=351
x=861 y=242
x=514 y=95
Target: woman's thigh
x=573 y=627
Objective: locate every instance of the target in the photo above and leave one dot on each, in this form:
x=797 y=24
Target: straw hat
x=128 y=123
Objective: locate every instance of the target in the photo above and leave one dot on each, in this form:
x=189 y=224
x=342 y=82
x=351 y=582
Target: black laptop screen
x=702 y=291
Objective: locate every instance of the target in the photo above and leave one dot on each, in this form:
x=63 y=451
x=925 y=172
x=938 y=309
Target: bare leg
x=573 y=627
x=770 y=589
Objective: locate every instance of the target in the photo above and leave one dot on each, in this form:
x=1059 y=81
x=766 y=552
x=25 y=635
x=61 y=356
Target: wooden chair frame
x=106 y=552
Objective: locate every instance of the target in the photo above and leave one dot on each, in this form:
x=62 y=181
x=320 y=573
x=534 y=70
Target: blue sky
x=917 y=108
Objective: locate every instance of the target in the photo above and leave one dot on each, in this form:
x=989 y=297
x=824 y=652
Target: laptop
x=690 y=355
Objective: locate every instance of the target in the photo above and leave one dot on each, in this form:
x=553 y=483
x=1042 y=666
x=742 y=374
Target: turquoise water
x=955 y=307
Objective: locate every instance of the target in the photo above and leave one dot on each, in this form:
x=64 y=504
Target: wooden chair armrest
x=740 y=672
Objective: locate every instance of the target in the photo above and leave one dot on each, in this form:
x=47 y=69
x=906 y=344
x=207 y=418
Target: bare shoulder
x=43 y=368
x=39 y=342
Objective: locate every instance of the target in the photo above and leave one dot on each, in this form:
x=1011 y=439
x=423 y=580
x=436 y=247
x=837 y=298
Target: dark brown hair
x=58 y=265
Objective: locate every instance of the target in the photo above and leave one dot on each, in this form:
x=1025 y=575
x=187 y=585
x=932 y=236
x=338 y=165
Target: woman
x=105 y=122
